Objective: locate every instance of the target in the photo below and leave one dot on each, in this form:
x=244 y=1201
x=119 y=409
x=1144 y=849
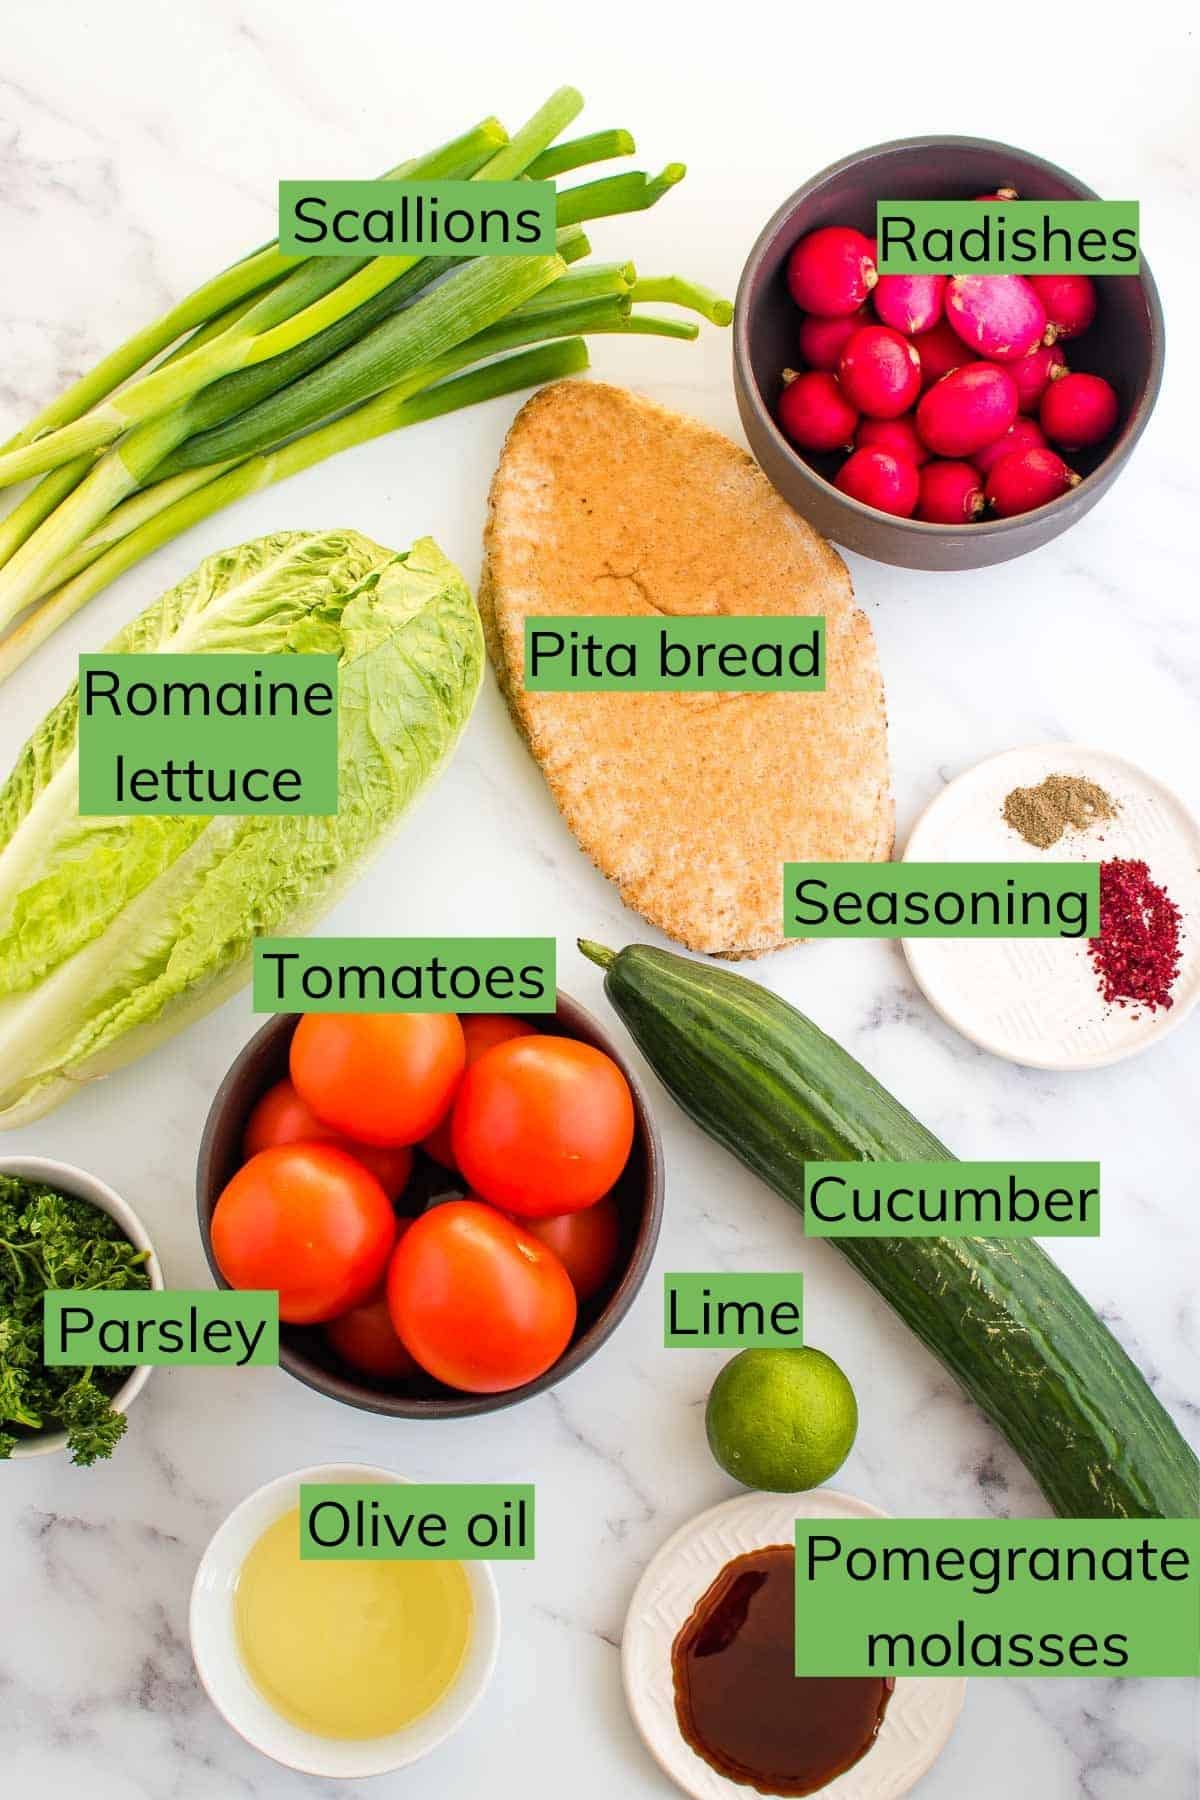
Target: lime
x=781 y=1419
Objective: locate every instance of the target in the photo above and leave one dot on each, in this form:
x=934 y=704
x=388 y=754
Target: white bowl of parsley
x=62 y=1228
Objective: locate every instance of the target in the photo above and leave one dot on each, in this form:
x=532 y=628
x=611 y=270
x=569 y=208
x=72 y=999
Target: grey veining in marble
x=139 y=150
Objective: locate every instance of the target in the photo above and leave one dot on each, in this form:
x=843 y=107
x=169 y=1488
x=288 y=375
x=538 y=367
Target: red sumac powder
x=1137 y=953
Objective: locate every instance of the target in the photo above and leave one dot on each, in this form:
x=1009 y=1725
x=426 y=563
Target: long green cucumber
x=764 y=1081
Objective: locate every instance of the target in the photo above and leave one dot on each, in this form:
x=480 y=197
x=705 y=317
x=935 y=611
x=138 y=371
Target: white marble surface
x=139 y=150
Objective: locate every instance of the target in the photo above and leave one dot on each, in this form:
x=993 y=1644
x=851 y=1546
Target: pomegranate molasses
x=738 y=1701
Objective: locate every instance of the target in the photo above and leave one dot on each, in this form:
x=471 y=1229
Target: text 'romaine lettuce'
x=114 y=932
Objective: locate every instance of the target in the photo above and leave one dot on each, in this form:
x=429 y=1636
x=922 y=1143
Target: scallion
x=280 y=362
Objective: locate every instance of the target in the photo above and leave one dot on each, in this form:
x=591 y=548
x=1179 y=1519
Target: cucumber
x=764 y=1081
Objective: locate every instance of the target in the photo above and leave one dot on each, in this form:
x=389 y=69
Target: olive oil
x=349 y=1649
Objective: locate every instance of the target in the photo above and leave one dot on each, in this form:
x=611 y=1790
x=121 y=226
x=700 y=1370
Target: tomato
x=306 y=1219
x=585 y=1242
x=542 y=1125
x=282 y=1117
x=481 y=1305
x=481 y=1031
x=366 y=1338
x=382 y=1078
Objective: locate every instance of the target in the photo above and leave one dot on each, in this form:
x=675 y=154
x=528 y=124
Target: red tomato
x=481 y=1031
x=585 y=1242
x=282 y=1117
x=481 y=1305
x=382 y=1078
x=306 y=1219
x=542 y=1125
x=366 y=1338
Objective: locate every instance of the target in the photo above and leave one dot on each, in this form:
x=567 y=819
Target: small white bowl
x=70 y=1180
x=1036 y=1001
x=921 y=1712
x=237 y=1699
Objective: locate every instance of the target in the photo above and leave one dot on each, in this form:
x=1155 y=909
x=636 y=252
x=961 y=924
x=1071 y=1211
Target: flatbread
x=605 y=502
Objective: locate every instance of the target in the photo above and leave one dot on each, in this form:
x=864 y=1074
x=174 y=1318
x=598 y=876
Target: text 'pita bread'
x=604 y=502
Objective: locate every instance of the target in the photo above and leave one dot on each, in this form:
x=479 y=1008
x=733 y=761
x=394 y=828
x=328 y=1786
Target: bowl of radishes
x=937 y=421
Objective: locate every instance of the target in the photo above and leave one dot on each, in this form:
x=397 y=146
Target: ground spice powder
x=1041 y=814
x=1137 y=954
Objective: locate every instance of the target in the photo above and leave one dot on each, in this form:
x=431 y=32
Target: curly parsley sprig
x=53 y=1240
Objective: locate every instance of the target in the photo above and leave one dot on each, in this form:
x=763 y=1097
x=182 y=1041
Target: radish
x=897 y=436
x=1000 y=316
x=967 y=409
x=1004 y=193
x=1023 y=434
x=1078 y=411
x=1026 y=479
x=1069 y=300
x=880 y=372
x=909 y=303
x=940 y=350
x=821 y=340
x=888 y=483
x=814 y=412
x=1034 y=373
x=831 y=271
x=951 y=493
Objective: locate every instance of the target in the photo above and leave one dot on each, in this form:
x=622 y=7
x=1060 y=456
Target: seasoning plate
x=1036 y=1001
x=921 y=1713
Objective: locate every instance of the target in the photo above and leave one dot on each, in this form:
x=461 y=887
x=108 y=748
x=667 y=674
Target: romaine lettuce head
x=114 y=932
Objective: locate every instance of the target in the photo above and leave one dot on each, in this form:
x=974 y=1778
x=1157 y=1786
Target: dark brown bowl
x=1125 y=344
x=303 y=1350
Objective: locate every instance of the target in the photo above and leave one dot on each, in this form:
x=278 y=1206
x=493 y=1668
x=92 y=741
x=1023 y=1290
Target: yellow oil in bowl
x=349 y=1649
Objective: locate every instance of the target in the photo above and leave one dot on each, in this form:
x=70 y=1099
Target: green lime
x=781 y=1419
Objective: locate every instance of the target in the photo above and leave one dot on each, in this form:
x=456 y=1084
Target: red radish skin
x=1026 y=479
x=830 y=272
x=940 y=350
x=967 y=409
x=1079 y=411
x=909 y=303
x=1069 y=301
x=1005 y=193
x=999 y=316
x=897 y=436
x=880 y=372
x=1022 y=434
x=1034 y=373
x=814 y=412
x=822 y=340
x=951 y=493
x=888 y=483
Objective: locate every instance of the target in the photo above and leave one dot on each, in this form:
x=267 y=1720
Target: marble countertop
x=139 y=150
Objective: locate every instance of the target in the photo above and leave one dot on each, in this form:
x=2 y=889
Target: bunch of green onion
x=281 y=361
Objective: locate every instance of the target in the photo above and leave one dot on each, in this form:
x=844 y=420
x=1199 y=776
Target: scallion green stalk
x=598 y=146
x=475 y=296
x=38 y=504
x=232 y=394
x=550 y=362
x=632 y=192
x=607 y=314
x=311 y=294
x=293 y=360
x=678 y=291
x=593 y=282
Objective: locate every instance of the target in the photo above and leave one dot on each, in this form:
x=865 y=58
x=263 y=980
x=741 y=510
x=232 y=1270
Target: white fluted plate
x=1036 y=1001
x=921 y=1713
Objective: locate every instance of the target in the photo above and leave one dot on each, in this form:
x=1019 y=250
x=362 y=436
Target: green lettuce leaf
x=114 y=932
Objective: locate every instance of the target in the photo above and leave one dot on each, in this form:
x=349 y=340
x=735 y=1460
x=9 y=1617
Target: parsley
x=53 y=1240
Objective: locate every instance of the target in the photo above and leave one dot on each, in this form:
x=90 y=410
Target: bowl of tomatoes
x=457 y=1211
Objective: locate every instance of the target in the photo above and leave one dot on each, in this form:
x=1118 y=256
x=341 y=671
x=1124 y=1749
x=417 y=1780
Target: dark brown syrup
x=738 y=1701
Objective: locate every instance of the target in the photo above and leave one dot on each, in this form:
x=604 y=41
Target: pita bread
x=604 y=502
